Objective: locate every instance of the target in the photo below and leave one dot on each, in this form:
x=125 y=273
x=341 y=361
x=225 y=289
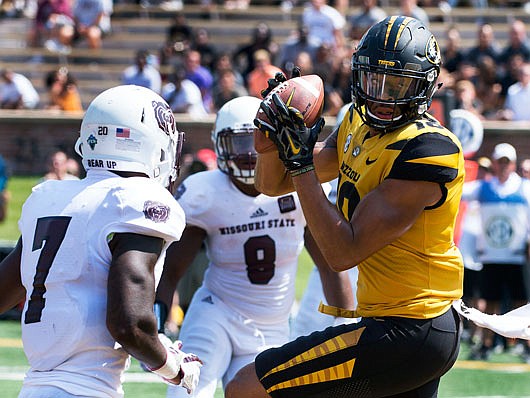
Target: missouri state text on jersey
x=258 y=225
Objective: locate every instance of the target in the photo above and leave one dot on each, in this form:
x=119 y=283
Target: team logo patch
x=432 y=51
x=156 y=211
x=92 y=141
x=286 y=204
x=356 y=151
x=499 y=231
x=164 y=117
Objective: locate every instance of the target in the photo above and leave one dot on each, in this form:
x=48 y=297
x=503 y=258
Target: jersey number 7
x=50 y=230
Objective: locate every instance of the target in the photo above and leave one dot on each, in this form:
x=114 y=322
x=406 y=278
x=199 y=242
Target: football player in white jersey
x=253 y=242
x=85 y=262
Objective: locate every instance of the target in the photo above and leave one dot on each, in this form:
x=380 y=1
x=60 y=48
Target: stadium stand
x=135 y=26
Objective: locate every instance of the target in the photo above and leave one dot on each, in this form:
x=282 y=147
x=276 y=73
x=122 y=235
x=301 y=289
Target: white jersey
x=66 y=227
x=253 y=244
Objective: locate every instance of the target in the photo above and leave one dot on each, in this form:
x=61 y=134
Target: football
x=305 y=93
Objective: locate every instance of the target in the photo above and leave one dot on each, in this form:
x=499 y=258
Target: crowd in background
x=487 y=79
x=495 y=223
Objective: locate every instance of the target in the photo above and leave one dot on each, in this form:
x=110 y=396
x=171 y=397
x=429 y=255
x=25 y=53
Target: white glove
x=178 y=363
x=190 y=370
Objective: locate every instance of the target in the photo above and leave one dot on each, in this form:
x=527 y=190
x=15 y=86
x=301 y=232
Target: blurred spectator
x=142 y=73
x=486 y=45
x=201 y=43
x=295 y=45
x=226 y=89
x=58 y=168
x=17 y=91
x=369 y=14
x=410 y=8
x=72 y=167
x=448 y=82
x=222 y=63
x=488 y=87
x=63 y=93
x=452 y=53
x=502 y=244
x=466 y=98
x=261 y=40
x=179 y=36
x=264 y=70
x=525 y=168
x=511 y=73
x=4 y=193
x=518 y=97
x=199 y=75
x=517 y=44
x=304 y=62
x=236 y=4
x=342 y=80
x=11 y=9
x=92 y=21
x=324 y=61
x=466 y=70
x=324 y=23
x=182 y=95
x=53 y=21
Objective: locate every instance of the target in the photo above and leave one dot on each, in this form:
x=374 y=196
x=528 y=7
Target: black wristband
x=160 y=310
x=302 y=170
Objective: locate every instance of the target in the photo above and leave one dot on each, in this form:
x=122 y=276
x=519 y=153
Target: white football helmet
x=131 y=128
x=233 y=138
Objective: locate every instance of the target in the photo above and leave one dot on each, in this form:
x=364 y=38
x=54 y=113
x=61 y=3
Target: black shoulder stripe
x=398 y=145
x=427 y=157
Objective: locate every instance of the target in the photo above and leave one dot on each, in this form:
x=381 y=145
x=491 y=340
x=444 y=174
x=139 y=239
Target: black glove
x=279 y=78
x=294 y=140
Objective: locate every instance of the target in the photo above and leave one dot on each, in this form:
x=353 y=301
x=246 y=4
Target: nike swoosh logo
x=294 y=148
x=370 y=161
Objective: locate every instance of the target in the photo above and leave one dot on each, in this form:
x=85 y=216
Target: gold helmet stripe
x=399 y=23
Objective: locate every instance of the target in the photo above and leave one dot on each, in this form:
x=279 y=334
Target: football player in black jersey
x=400 y=181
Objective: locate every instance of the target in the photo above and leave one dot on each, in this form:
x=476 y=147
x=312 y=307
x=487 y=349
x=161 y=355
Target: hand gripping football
x=305 y=93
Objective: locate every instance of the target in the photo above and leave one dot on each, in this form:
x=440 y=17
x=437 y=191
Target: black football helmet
x=395 y=68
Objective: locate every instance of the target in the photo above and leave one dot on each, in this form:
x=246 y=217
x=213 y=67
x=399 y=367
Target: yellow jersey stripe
x=330 y=346
x=441 y=160
x=340 y=371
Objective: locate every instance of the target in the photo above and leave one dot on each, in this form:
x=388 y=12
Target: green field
x=503 y=376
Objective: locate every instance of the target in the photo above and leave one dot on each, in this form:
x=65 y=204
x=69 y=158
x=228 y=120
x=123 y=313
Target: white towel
x=515 y=324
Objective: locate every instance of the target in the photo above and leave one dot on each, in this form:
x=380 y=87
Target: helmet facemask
x=236 y=155
x=233 y=138
x=398 y=96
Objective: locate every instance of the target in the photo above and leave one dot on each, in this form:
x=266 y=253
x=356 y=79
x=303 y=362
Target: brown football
x=305 y=93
